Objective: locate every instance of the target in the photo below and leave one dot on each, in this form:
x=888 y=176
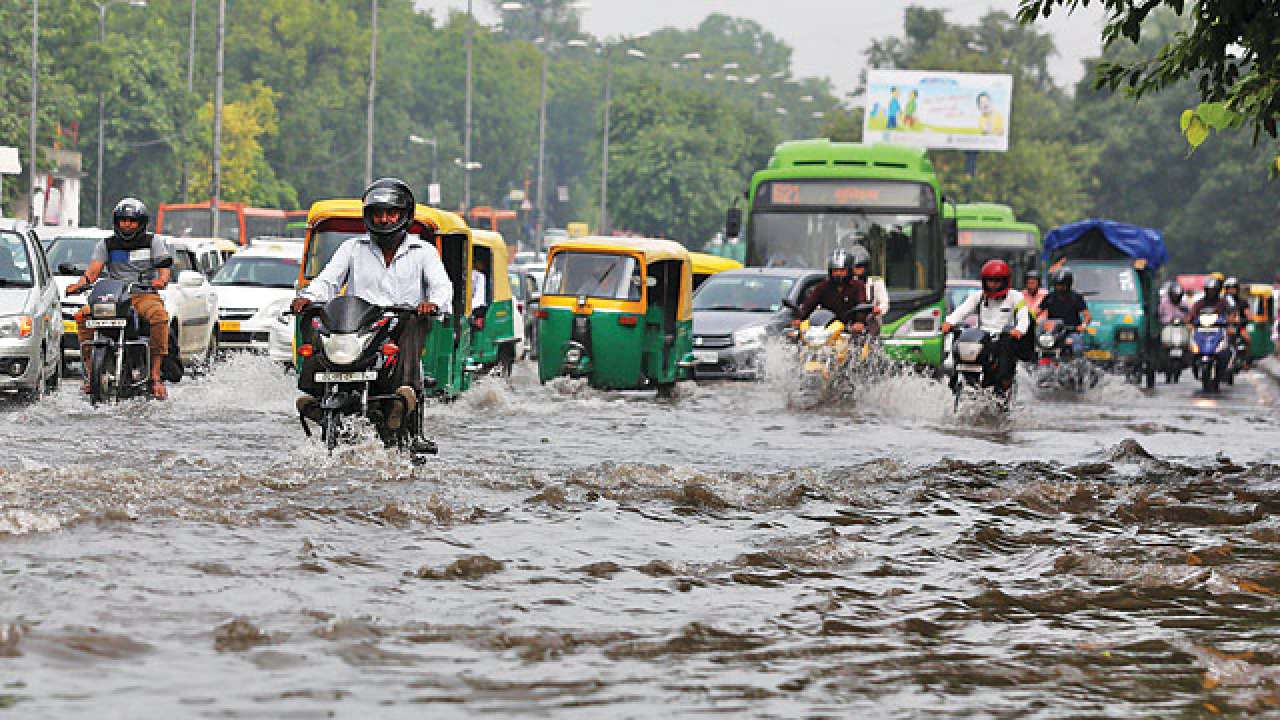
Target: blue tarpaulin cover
x=1131 y=240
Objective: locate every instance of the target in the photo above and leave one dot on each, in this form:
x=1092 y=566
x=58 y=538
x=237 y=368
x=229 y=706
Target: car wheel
x=55 y=378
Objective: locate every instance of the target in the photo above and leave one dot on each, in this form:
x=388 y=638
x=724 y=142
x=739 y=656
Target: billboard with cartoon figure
x=943 y=110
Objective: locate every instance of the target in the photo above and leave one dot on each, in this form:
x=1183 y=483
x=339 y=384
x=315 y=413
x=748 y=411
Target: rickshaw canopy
x=1095 y=239
x=704 y=264
x=645 y=250
x=497 y=247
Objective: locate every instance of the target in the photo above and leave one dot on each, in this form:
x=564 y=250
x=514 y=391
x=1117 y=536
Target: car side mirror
x=732 y=222
x=951 y=232
x=67 y=268
x=190 y=279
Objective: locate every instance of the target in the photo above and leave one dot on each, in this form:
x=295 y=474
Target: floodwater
x=573 y=554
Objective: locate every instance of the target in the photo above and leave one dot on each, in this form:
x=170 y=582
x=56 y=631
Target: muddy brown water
x=572 y=554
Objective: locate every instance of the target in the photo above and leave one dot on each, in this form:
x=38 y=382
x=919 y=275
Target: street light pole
x=191 y=77
x=102 y=41
x=35 y=101
x=466 y=131
x=604 y=148
x=542 y=152
x=373 y=81
x=216 y=185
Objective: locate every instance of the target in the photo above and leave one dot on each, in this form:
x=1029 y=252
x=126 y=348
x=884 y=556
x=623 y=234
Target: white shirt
x=877 y=295
x=477 y=289
x=993 y=315
x=414 y=275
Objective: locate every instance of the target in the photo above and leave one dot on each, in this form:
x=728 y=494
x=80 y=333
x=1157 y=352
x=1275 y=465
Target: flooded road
x=573 y=554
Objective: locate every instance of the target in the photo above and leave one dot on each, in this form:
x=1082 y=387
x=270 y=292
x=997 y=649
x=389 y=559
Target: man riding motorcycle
x=877 y=294
x=132 y=255
x=1239 y=311
x=1212 y=300
x=1173 y=308
x=999 y=308
x=1032 y=293
x=386 y=267
x=1065 y=305
x=841 y=293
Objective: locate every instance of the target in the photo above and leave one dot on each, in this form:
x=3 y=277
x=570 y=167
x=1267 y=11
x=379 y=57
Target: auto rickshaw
x=617 y=312
x=1262 y=318
x=332 y=222
x=493 y=331
x=704 y=266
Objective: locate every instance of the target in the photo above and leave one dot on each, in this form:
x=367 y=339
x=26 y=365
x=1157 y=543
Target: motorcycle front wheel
x=102 y=362
x=331 y=429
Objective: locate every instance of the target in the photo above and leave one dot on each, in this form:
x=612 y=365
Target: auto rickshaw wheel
x=666 y=390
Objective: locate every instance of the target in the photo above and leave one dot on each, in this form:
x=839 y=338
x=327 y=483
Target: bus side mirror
x=732 y=222
x=951 y=232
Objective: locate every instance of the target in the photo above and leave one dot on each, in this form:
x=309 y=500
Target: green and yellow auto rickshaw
x=448 y=343
x=1262 y=319
x=493 y=328
x=617 y=312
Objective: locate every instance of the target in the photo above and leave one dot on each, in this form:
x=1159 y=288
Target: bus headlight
x=923 y=324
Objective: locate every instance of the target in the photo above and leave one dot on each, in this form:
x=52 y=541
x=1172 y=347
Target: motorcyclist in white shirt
x=1001 y=311
x=386 y=267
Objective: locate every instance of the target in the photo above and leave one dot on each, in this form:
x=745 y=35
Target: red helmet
x=999 y=271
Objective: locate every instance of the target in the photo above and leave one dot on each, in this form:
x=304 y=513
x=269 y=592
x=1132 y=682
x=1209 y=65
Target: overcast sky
x=828 y=36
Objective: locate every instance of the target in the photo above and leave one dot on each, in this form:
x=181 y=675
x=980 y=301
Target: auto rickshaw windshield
x=1106 y=283
x=598 y=275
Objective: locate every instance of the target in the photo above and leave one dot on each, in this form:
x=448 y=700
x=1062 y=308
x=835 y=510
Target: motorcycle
x=1174 y=338
x=1211 y=351
x=1059 y=363
x=974 y=365
x=1239 y=353
x=117 y=360
x=352 y=347
x=828 y=359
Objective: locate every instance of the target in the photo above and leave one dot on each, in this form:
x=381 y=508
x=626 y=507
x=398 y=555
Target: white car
x=254 y=289
x=190 y=300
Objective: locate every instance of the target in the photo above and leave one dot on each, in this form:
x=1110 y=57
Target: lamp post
x=373 y=82
x=215 y=185
x=466 y=126
x=604 y=140
x=191 y=77
x=102 y=41
x=35 y=101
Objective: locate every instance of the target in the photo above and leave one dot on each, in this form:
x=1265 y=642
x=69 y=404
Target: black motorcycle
x=117 y=360
x=351 y=347
x=974 y=364
x=1059 y=363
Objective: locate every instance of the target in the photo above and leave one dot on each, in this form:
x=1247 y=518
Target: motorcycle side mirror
x=732 y=222
x=951 y=232
x=786 y=303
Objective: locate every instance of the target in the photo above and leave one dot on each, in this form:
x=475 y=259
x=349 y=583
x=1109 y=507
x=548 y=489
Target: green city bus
x=989 y=231
x=816 y=195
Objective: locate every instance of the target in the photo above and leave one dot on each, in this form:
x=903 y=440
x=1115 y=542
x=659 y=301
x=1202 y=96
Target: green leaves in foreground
x=1197 y=123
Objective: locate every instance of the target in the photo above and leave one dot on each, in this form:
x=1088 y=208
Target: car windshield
x=743 y=293
x=259 y=272
x=901 y=245
x=1107 y=283
x=600 y=275
x=15 y=263
x=72 y=251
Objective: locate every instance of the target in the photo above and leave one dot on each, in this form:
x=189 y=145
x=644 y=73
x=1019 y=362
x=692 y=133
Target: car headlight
x=346 y=348
x=749 y=336
x=17 y=326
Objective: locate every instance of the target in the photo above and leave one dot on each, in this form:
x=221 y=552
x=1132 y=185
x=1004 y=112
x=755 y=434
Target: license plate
x=344 y=377
x=118 y=323
x=229 y=326
x=706 y=357
x=69 y=326
x=1176 y=352
x=1098 y=354
x=965 y=367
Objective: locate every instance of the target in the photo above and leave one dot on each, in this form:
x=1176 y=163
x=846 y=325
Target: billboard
x=943 y=110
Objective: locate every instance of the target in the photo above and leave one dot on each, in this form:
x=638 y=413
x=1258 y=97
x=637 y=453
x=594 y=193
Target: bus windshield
x=902 y=245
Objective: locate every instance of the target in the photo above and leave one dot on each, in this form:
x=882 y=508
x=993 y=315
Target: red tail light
x=1045 y=362
x=390 y=349
x=541 y=314
x=628 y=320
x=306 y=350
x=478 y=323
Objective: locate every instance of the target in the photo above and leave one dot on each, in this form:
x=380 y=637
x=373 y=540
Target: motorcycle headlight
x=1046 y=341
x=104 y=310
x=968 y=351
x=344 y=349
x=817 y=336
x=749 y=336
x=18 y=326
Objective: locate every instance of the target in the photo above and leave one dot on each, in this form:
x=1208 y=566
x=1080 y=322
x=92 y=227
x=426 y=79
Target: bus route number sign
x=844 y=194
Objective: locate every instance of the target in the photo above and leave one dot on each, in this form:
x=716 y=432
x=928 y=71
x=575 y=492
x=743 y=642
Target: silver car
x=30 y=318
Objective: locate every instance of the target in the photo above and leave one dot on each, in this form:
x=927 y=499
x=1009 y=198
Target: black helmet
x=1031 y=275
x=1212 y=289
x=388 y=194
x=841 y=259
x=130 y=209
x=1064 y=276
x=861 y=258
x=1176 y=293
